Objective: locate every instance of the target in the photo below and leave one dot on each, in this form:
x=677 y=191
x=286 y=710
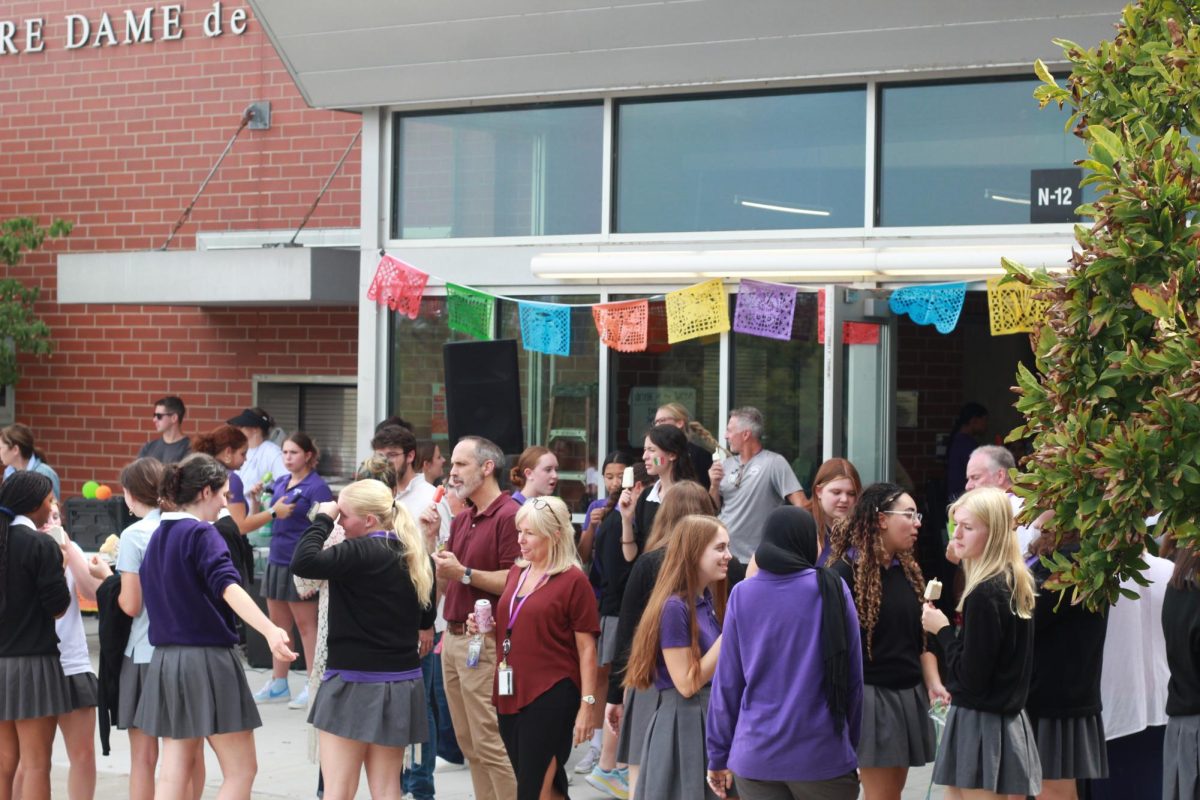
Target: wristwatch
x=466 y=578
x=272 y=513
x=590 y=699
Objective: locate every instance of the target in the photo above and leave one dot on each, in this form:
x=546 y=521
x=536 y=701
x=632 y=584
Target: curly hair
x=856 y=540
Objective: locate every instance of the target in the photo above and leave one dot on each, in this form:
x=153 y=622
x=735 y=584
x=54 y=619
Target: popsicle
x=627 y=478
x=933 y=590
x=439 y=494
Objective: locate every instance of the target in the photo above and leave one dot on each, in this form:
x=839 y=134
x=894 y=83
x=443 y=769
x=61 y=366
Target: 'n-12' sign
x=1054 y=194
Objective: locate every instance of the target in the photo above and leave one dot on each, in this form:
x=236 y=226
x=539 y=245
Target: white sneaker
x=300 y=700
x=588 y=762
x=272 y=692
x=442 y=765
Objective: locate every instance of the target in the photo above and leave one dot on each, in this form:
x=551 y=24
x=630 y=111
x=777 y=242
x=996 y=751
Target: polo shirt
x=483 y=540
x=285 y=533
x=749 y=493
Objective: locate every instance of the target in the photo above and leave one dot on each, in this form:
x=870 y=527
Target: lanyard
x=383 y=535
x=513 y=614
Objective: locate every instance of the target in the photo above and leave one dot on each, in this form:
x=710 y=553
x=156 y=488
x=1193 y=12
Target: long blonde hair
x=548 y=518
x=374 y=497
x=1001 y=554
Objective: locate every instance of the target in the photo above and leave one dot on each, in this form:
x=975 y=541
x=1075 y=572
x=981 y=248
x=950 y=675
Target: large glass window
x=961 y=153
x=785 y=380
x=558 y=393
x=751 y=162
x=515 y=172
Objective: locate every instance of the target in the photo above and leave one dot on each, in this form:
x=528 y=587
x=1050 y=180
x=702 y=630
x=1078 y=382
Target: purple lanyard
x=383 y=535
x=513 y=614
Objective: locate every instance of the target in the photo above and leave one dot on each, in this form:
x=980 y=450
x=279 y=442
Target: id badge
x=504 y=681
x=474 y=648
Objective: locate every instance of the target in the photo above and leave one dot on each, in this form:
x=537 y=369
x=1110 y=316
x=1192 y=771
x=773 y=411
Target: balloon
x=103 y=492
x=89 y=490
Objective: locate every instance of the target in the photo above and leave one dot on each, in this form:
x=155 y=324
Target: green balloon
x=89 y=490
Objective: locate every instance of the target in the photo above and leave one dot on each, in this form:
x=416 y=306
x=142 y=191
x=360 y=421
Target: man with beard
x=474 y=566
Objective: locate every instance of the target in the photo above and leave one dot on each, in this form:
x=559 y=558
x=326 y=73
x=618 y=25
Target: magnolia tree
x=1114 y=414
x=21 y=331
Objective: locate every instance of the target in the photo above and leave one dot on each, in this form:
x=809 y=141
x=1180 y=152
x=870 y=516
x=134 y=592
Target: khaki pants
x=469 y=695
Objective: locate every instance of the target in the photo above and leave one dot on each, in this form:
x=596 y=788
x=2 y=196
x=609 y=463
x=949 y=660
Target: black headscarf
x=789 y=544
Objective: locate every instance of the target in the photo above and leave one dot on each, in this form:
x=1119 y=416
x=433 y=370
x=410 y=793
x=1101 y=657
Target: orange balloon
x=103 y=493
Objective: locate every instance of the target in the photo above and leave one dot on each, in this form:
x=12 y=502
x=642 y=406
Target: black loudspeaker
x=483 y=392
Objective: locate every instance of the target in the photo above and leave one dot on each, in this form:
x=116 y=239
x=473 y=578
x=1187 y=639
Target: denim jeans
x=447 y=743
x=418 y=781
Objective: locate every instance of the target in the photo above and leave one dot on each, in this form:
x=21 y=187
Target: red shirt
x=483 y=540
x=543 y=639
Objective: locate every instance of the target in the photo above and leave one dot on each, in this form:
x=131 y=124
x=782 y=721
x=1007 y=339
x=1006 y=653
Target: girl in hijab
x=810 y=750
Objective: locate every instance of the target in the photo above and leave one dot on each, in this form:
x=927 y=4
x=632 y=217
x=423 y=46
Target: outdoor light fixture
x=1005 y=198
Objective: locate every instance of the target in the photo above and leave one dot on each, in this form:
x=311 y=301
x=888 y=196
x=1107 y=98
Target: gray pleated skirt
x=606 y=650
x=1181 y=758
x=33 y=686
x=635 y=719
x=982 y=750
x=674 y=758
x=1071 y=747
x=129 y=691
x=277 y=584
x=390 y=714
x=896 y=728
x=83 y=690
x=190 y=692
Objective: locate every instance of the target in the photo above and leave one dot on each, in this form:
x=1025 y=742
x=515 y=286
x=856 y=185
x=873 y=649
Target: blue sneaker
x=614 y=783
x=276 y=690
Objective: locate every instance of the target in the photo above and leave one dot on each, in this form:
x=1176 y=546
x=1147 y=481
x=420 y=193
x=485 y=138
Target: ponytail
x=373 y=497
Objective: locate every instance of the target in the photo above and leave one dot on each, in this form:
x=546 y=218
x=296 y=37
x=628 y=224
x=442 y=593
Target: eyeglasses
x=913 y=516
x=664 y=421
x=738 y=472
x=158 y=415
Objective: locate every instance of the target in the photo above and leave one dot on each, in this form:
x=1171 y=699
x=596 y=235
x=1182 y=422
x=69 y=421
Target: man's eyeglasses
x=158 y=415
x=913 y=516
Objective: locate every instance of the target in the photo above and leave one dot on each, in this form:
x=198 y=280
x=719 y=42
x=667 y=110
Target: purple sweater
x=767 y=718
x=184 y=574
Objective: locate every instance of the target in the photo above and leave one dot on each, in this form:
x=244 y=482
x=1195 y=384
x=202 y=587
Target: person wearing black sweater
x=666 y=458
x=628 y=712
x=988 y=743
x=872 y=551
x=381 y=593
x=1064 y=693
x=1181 y=630
x=33 y=593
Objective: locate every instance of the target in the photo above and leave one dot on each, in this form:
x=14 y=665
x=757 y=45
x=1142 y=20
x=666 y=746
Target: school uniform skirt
x=1071 y=747
x=33 y=686
x=896 y=728
x=129 y=691
x=674 y=757
x=606 y=650
x=983 y=750
x=83 y=689
x=1181 y=758
x=390 y=714
x=191 y=692
x=278 y=584
x=639 y=707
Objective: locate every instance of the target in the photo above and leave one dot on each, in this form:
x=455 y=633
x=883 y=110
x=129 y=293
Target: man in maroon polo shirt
x=474 y=566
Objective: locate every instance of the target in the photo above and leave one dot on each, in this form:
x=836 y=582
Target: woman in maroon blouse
x=546 y=628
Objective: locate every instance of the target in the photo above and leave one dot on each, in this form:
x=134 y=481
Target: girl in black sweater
x=1181 y=629
x=988 y=743
x=33 y=593
x=1064 y=695
x=381 y=591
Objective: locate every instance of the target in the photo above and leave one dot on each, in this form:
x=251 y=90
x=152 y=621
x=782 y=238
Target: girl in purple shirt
x=195 y=688
x=675 y=649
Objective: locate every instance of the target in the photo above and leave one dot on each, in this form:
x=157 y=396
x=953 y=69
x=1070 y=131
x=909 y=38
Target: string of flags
x=763 y=309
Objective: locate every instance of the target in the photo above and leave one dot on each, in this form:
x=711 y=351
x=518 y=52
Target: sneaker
x=273 y=691
x=588 y=762
x=300 y=700
x=614 y=783
x=443 y=765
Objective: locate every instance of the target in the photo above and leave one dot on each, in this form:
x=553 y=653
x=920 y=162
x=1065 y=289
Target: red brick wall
x=118 y=139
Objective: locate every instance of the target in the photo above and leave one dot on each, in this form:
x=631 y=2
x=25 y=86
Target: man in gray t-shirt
x=751 y=483
x=172 y=445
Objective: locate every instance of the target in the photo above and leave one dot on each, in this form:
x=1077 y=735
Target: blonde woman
x=988 y=749
x=546 y=628
x=372 y=700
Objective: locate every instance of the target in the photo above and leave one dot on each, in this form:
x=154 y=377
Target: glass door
x=860 y=380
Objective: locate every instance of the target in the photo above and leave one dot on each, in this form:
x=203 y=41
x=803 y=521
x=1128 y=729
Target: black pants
x=539 y=732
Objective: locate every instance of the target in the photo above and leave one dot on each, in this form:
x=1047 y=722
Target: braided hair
x=857 y=541
x=22 y=493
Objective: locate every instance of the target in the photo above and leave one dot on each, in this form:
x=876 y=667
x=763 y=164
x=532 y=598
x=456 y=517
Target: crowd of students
x=814 y=666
